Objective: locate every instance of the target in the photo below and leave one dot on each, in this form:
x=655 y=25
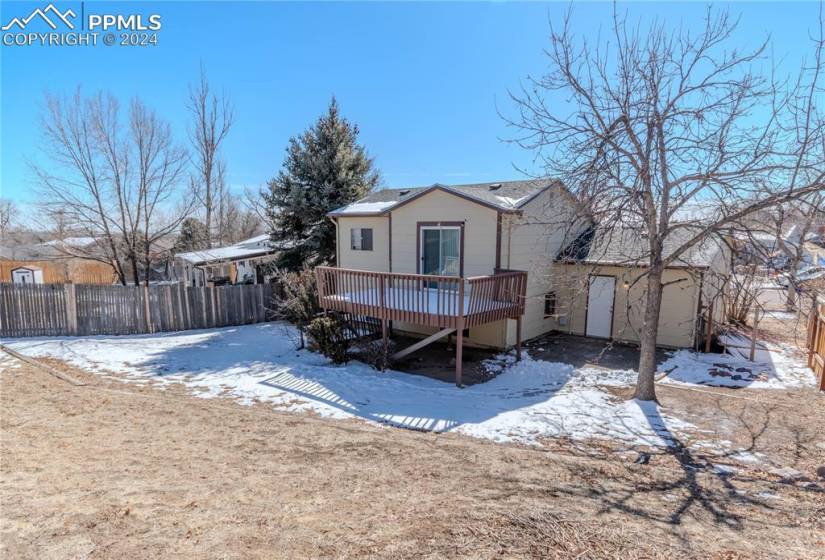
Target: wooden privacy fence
x=816 y=341
x=74 y=309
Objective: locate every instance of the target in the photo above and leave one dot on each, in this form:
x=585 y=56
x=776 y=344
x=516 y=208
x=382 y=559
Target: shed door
x=600 y=306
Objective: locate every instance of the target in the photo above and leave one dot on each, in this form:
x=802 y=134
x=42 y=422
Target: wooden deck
x=448 y=303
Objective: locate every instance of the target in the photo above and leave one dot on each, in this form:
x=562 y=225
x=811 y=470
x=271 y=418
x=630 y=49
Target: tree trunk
x=790 y=302
x=645 y=389
x=208 y=204
x=135 y=274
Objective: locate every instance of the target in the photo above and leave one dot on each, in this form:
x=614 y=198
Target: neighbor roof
x=252 y=247
x=625 y=246
x=507 y=196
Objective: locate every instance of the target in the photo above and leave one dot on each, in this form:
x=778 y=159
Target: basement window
x=549 y=304
x=361 y=239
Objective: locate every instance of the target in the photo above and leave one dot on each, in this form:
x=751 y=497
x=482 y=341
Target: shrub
x=297 y=298
x=372 y=353
x=328 y=337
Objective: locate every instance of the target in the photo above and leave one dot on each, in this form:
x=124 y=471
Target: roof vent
x=404 y=192
x=495 y=186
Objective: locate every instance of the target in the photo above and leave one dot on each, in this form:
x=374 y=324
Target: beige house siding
x=531 y=241
x=438 y=206
x=376 y=260
x=677 y=320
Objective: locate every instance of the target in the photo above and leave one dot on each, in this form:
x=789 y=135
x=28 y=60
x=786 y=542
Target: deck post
x=383 y=304
x=459 y=334
x=518 y=338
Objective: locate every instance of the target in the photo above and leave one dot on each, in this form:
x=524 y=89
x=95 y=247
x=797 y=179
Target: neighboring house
x=601 y=286
x=242 y=263
x=776 y=250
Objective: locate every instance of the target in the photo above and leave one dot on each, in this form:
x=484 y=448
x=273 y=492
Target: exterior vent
x=404 y=193
x=495 y=186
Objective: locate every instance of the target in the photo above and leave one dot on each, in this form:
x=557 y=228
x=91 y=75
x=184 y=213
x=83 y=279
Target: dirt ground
x=115 y=470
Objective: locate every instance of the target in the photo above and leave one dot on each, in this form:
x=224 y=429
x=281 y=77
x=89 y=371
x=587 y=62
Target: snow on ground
x=527 y=402
x=774 y=367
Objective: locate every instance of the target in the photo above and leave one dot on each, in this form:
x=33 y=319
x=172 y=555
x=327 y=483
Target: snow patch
x=773 y=368
x=526 y=402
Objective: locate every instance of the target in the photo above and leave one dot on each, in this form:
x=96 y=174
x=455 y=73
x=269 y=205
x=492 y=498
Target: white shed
x=27 y=275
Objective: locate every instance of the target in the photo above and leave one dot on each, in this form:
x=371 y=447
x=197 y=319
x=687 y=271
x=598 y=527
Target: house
x=496 y=263
x=600 y=286
x=242 y=263
x=470 y=260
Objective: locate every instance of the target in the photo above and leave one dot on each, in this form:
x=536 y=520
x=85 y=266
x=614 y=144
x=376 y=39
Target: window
x=361 y=239
x=549 y=304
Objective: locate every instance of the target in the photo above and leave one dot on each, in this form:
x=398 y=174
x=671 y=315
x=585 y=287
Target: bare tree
x=236 y=220
x=116 y=184
x=160 y=165
x=8 y=216
x=653 y=120
x=212 y=117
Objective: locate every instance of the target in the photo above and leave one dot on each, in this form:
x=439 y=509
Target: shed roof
x=625 y=246
x=506 y=196
x=252 y=247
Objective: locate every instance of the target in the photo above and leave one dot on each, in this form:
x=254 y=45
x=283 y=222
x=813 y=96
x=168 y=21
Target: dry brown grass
x=112 y=470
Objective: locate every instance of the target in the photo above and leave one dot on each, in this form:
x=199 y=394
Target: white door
x=600 y=306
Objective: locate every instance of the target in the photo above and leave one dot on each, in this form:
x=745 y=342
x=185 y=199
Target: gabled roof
x=252 y=247
x=625 y=246
x=507 y=196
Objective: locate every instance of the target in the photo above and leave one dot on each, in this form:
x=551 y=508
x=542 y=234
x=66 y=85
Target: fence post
x=71 y=308
x=147 y=315
x=812 y=324
x=754 y=334
x=243 y=311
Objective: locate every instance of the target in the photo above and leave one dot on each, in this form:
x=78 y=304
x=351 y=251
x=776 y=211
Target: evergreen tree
x=325 y=168
x=193 y=236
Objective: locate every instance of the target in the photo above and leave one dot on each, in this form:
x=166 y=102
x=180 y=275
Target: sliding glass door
x=441 y=250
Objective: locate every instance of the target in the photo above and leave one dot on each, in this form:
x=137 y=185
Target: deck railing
x=435 y=301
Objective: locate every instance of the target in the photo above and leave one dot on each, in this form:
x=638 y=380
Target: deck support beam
x=385 y=343
x=422 y=343
x=459 y=351
x=459 y=335
x=518 y=338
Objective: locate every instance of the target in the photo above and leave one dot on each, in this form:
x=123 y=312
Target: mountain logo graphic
x=44 y=15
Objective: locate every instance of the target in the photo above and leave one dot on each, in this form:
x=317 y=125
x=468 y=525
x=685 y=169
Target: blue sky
x=422 y=80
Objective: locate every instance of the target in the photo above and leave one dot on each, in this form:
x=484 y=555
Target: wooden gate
x=816 y=341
